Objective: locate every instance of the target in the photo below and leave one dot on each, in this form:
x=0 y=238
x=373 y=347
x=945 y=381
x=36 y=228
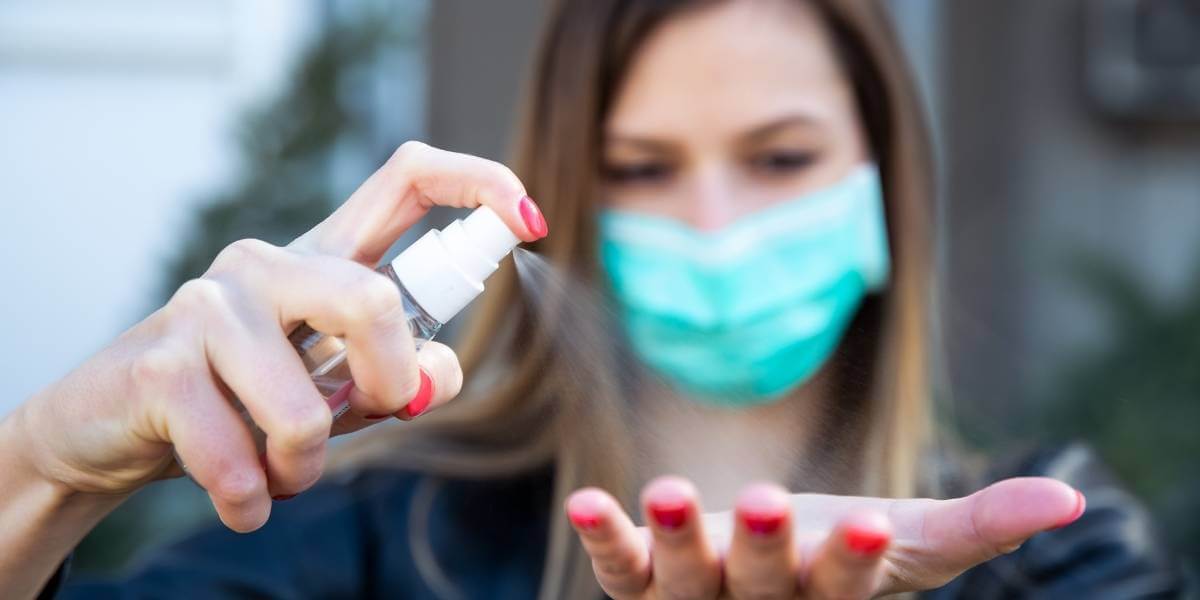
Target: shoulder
x=1113 y=551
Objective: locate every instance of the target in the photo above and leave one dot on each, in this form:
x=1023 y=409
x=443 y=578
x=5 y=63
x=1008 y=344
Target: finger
x=211 y=441
x=620 y=555
x=251 y=357
x=441 y=381
x=338 y=298
x=685 y=565
x=416 y=178
x=998 y=519
x=762 y=561
x=849 y=563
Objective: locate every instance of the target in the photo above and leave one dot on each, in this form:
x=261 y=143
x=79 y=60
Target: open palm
x=776 y=545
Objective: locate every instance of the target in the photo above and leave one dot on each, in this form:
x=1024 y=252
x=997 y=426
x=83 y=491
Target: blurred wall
x=115 y=117
x=1035 y=174
x=478 y=64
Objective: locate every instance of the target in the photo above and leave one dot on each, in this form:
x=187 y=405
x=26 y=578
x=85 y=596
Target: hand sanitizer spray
x=437 y=276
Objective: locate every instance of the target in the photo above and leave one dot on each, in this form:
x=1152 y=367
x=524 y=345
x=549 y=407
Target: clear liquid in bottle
x=324 y=356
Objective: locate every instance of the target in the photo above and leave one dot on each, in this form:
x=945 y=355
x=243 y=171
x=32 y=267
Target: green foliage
x=1137 y=398
x=288 y=146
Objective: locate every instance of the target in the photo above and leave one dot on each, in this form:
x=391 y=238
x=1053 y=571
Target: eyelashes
x=783 y=162
x=772 y=164
x=638 y=172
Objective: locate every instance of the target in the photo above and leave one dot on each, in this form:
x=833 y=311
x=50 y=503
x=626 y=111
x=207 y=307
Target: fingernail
x=762 y=508
x=283 y=497
x=532 y=215
x=585 y=521
x=1080 y=506
x=669 y=516
x=865 y=542
x=420 y=402
x=762 y=523
x=375 y=417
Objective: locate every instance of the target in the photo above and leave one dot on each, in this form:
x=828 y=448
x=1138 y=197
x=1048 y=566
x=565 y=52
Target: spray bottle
x=437 y=276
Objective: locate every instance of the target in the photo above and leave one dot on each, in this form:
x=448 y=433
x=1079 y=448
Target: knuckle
x=306 y=428
x=238 y=487
x=406 y=151
x=199 y=293
x=242 y=254
x=160 y=366
x=504 y=174
x=376 y=300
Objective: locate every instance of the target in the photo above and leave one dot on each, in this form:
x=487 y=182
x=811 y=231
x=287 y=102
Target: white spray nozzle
x=445 y=270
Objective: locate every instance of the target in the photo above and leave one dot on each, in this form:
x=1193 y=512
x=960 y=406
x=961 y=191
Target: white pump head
x=445 y=270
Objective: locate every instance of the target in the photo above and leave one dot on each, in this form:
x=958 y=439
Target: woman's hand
x=807 y=545
x=164 y=387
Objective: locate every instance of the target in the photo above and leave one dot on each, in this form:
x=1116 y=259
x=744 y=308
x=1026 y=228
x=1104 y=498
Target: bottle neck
x=422 y=325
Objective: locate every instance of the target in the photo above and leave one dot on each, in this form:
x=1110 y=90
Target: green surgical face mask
x=744 y=315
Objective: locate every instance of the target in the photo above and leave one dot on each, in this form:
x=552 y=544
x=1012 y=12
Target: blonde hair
x=529 y=403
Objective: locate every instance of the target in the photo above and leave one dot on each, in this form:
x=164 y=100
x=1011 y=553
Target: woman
x=749 y=181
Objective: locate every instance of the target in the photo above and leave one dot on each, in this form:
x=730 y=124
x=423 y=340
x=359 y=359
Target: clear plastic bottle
x=324 y=356
x=437 y=276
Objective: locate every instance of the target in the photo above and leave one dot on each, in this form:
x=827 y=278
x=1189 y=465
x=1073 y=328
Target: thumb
x=999 y=518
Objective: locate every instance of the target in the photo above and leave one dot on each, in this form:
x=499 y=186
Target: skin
x=73 y=452
x=712 y=124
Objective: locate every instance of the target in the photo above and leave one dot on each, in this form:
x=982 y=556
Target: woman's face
x=729 y=109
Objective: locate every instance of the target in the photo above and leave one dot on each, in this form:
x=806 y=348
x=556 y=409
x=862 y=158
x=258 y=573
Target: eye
x=782 y=162
x=638 y=172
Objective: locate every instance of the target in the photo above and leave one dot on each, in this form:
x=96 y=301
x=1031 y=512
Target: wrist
x=24 y=458
x=31 y=464
x=15 y=453
x=41 y=519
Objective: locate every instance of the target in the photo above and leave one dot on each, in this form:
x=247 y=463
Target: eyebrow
x=760 y=132
x=641 y=143
x=773 y=127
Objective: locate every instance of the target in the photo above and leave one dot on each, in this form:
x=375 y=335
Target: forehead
x=732 y=65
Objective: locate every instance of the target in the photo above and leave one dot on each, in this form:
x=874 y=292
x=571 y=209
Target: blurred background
x=138 y=137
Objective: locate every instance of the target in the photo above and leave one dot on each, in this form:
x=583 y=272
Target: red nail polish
x=1080 y=506
x=585 y=521
x=420 y=402
x=283 y=497
x=865 y=542
x=375 y=417
x=532 y=215
x=669 y=516
x=763 y=523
